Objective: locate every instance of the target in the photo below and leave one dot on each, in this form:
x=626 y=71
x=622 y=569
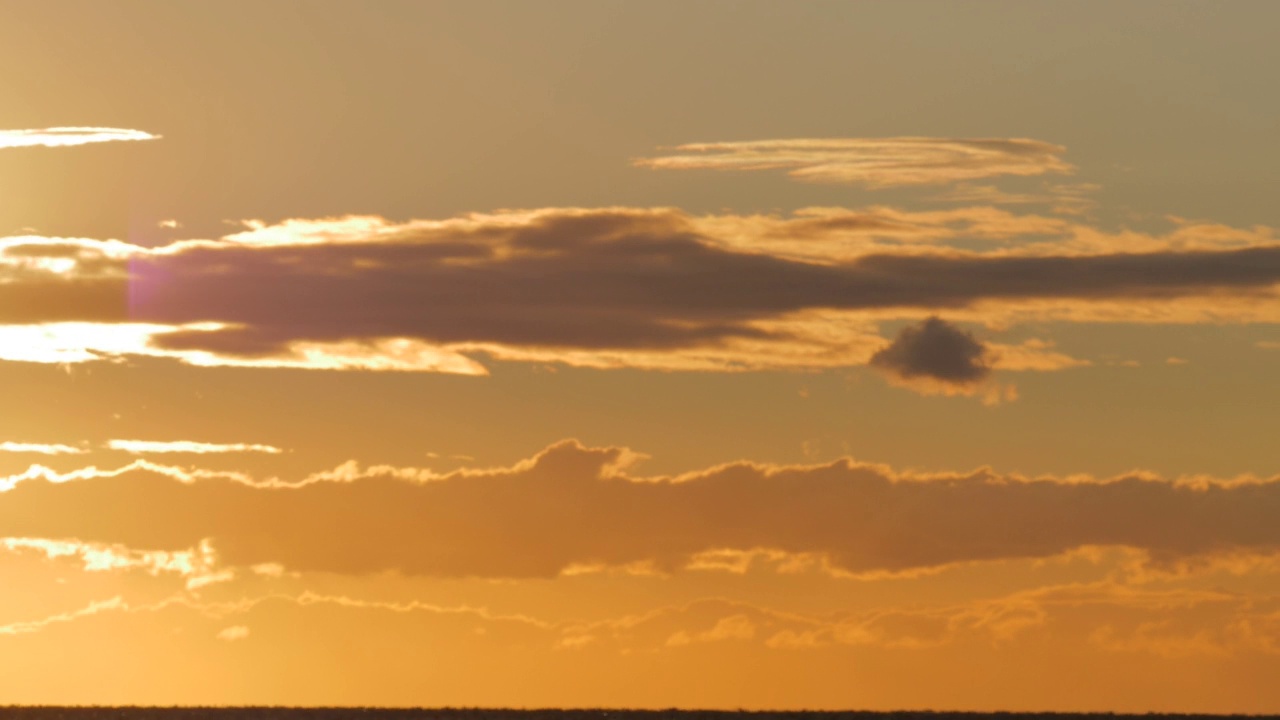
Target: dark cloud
x=936 y=350
x=569 y=506
x=613 y=278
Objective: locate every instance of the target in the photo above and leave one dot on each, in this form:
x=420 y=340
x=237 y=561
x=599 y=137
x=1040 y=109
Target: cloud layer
x=605 y=288
x=573 y=507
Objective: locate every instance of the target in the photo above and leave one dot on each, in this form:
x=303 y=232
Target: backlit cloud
x=613 y=287
x=873 y=162
x=69 y=136
x=572 y=506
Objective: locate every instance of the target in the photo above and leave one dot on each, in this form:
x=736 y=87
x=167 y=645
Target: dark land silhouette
x=372 y=713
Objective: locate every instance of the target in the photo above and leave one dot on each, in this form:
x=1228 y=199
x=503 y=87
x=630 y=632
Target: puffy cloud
x=873 y=162
x=572 y=506
x=935 y=352
x=69 y=136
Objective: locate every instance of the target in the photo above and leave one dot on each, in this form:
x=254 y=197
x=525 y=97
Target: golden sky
x=730 y=354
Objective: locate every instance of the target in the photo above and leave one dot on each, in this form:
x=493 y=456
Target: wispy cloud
x=235 y=632
x=195 y=564
x=142 y=447
x=40 y=448
x=1069 y=199
x=873 y=162
x=69 y=136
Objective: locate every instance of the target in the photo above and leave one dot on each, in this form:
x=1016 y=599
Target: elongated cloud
x=78 y=342
x=616 y=287
x=873 y=162
x=144 y=447
x=40 y=448
x=572 y=506
x=194 y=564
x=69 y=136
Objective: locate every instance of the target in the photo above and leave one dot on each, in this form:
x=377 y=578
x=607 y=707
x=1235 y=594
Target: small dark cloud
x=935 y=350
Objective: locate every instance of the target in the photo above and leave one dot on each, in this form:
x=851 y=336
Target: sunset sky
x=640 y=353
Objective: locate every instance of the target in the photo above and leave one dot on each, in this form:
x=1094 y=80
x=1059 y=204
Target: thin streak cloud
x=873 y=162
x=40 y=448
x=70 y=136
x=144 y=447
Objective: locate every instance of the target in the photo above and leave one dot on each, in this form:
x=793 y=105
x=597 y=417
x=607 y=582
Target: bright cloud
x=69 y=136
x=141 y=447
x=40 y=448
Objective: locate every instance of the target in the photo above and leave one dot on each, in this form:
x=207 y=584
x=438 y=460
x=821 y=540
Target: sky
x=729 y=354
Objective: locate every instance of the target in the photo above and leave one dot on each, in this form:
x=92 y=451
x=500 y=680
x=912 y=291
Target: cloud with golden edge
x=872 y=162
x=572 y=506
x=610 y=287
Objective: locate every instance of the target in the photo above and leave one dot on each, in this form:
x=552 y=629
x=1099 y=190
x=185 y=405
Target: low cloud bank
x=572 y=506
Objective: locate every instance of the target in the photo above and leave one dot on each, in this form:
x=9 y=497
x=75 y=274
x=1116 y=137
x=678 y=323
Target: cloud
x=572 y=506
x=614 y=287
x=69 y=136
x=40 y=448
x=139 y=447
x=235 y=632
x=195 y=564
x=1102 y=616
x=873 y=162
x=79 y=342
x=1066 y=199
x=937 y=353
x=31 y=626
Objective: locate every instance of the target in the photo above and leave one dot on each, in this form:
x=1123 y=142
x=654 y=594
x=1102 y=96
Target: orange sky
x=735 y=354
